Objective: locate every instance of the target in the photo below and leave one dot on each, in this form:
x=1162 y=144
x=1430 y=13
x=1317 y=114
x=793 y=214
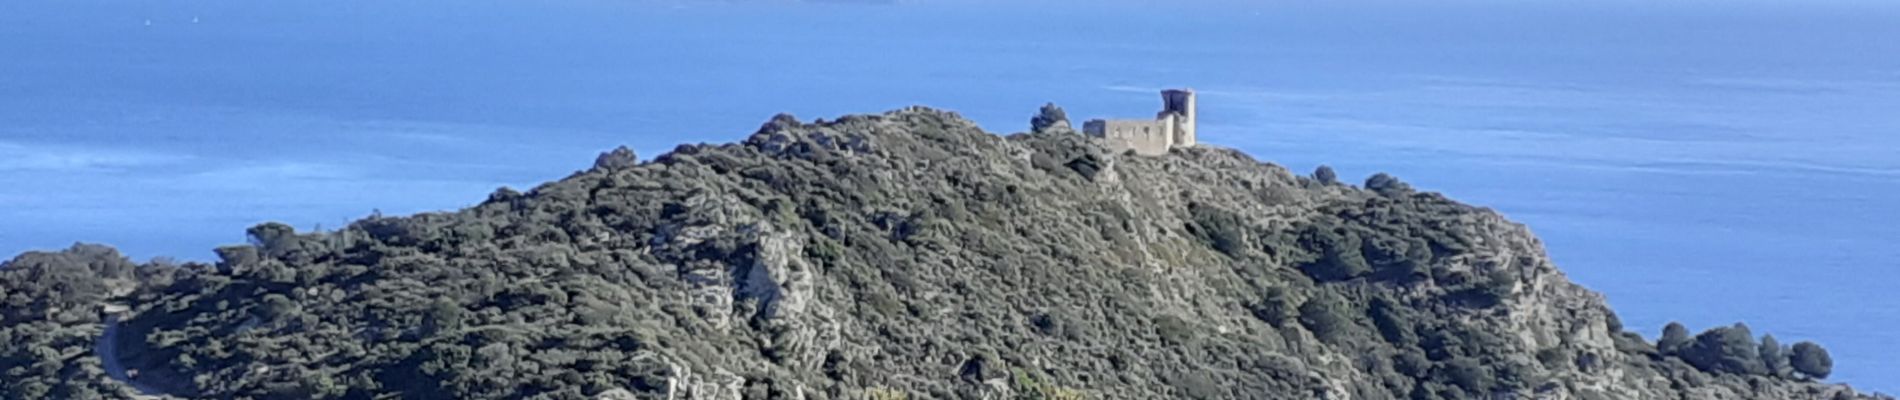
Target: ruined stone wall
x=1172 y=127
x=1148 y=138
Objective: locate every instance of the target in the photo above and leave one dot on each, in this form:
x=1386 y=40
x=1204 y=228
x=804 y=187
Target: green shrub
x=1325 y=175
x=1554 y=358
x=277 y=307
x=1341 y=255
x=1050 y=116
x=232 y=257
x=1387 y=185
x=1395 y=258
x=1811 y=360
x=1412 y=362
x=618 y=158
x=1276 y=306
x=1087 y=165
x=1326 y=317
x=1725 y=350
x=1470 y=375
x=1674 y=337
x=1394 y=322
x=1221 y=228
x=1774 y=358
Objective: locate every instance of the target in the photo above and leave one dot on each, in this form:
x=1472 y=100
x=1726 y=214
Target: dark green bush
x=1325 y=175
x=1774 y=358
x=1730 y=350
x=1811 y=360
x=1327 y=317
x=1470 y=375
x=1087 y=165
x=619 y=158
x=1396 y=258
x=277 y=307
x=1221 y=228
x=1388 y=185
x=1276 y=306
x=1341 y=255
x=1047 y=118
x=1394 y=322
x=1674 y=338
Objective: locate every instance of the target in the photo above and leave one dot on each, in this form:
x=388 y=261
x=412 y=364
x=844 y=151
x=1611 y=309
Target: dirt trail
x=108 y=350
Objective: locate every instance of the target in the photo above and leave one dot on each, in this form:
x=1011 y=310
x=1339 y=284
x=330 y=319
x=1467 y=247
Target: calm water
x=1695 y=163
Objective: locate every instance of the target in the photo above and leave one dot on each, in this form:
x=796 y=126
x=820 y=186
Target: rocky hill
x=893 y=256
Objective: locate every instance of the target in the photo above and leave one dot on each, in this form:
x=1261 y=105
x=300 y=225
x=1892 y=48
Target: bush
x=1326 y=317
x=1811 y=360
x=1387 y=185
x=1393 y=322
x=1325 y=175
x=1726 y=350
x=231 y=257
x=277 y=307
x=1049 y=117
x=1774 y=358
x=1632 y=342
x=1674 y=337
x=274 y=239
x=619 y=158
x=1087 y=165
x=443 y=315
x=1401 y=259
x=1222 y=229
x=1341 y=258
x=1412 y=362
x=1467 y=373
x=1276 y=307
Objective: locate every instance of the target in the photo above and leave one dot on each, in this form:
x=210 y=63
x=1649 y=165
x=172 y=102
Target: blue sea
x=1702 y=162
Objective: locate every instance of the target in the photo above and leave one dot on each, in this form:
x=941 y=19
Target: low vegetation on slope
x=902 y=255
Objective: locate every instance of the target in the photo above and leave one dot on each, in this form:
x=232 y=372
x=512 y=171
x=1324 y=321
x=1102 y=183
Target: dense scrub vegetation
x=904 y=255
x=50 y=318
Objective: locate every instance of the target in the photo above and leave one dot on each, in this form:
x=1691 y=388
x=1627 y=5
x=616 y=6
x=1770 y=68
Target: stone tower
x=1172 y=128
x=1179 y=105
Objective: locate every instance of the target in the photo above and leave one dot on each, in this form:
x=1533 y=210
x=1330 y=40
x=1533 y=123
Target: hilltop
x=903 y=255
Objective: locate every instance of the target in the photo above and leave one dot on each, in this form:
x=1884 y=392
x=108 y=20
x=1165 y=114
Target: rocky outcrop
x=910 y=254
